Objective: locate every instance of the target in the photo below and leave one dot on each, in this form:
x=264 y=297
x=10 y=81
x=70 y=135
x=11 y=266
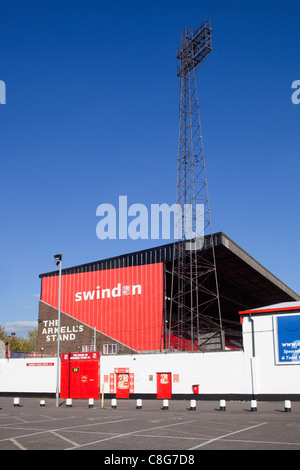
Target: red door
x=80 y=376
x=65 y=376
x=122 y=387
x=164 y=385
x=84 y=379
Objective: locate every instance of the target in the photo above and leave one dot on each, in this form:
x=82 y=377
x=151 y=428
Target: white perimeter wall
x=229 y=372
x=215 y=373
x=32 y=375
x=269 y=377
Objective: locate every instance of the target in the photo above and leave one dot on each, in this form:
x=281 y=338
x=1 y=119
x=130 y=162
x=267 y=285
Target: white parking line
x=66 y=428
x=20 y=446
x=131 y=433
x=65 y=438
x=37 y=421
x=225 y=435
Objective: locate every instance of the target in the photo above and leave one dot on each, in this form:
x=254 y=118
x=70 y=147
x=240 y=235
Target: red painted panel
x=65 y=376
x=80 y=376
x=84 y=379
x=122 y=387
x=124 y=303
x=164 y=385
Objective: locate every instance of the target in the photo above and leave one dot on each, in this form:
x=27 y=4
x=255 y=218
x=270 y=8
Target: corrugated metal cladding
x=159 y=254
x=123 y=303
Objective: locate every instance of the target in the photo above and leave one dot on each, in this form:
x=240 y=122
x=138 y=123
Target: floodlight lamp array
x=194 y=47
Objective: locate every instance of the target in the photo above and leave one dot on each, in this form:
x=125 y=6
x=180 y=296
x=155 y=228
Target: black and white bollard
x=253 y=405
x=139 y=404
x=114 y=403
x=69 y=403
x=165 y=404
x=91 y=402
x=222 y=405
x=42 y=403
x=193 y=405
x=16 y=401
x=287 y=406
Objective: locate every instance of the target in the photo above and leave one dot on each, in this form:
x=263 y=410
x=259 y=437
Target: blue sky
x=92 y=113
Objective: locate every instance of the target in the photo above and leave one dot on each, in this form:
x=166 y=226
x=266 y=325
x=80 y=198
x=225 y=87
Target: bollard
x=193 y=405
x=16 y=401
x=253 y=405
x=139 y=404
x=91 y=402
x=42 y=403
x=287 y=406
x=69 y=402
x=114 y=403
x=165 y=404
x=222 y=405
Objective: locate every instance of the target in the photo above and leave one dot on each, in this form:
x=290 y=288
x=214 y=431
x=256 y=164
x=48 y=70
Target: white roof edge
x=281 y=306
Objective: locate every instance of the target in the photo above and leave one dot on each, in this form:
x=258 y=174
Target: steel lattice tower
x=194 y=277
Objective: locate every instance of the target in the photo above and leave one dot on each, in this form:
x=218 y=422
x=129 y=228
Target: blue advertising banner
x=288 y=339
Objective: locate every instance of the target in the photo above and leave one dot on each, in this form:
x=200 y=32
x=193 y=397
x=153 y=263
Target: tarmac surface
x=169 y=436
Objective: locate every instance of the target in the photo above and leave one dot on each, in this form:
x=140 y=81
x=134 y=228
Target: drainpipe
x=252 y=335
x=253 y=359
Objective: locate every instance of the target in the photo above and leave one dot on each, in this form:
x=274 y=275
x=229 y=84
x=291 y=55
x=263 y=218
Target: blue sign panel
x=288 y=338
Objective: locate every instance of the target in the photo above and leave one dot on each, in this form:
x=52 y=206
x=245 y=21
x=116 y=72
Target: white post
x=253 y=405
x=287 y=406
x=222 y=405
x=69 y=402
x=165 y=404
x=193 y=405
x=16 y=401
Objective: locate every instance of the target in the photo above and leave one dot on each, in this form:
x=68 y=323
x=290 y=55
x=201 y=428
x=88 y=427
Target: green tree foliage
x=28 y=344
x=3 y=334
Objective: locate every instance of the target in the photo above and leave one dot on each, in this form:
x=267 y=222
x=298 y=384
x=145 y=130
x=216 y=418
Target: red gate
x=122 y=386
x=80 y=375
x=164 y=385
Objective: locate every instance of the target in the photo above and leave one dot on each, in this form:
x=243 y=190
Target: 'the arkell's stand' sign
x=67 y=333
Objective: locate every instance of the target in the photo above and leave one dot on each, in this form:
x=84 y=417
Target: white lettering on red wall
x=98 y=293
x=123 y=303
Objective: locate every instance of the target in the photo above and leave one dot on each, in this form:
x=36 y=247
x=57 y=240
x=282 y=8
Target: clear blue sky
x=92 y=113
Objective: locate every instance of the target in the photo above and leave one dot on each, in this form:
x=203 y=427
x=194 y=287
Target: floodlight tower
x=194 y=277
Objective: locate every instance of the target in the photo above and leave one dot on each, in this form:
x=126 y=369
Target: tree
x=3 y=334
x=28 y=344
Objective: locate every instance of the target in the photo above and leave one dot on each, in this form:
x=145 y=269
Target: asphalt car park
x=172 y=435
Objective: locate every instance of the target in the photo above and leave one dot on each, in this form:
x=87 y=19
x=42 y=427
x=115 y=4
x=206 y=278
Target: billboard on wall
x=125 y=303
x=287 y=335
